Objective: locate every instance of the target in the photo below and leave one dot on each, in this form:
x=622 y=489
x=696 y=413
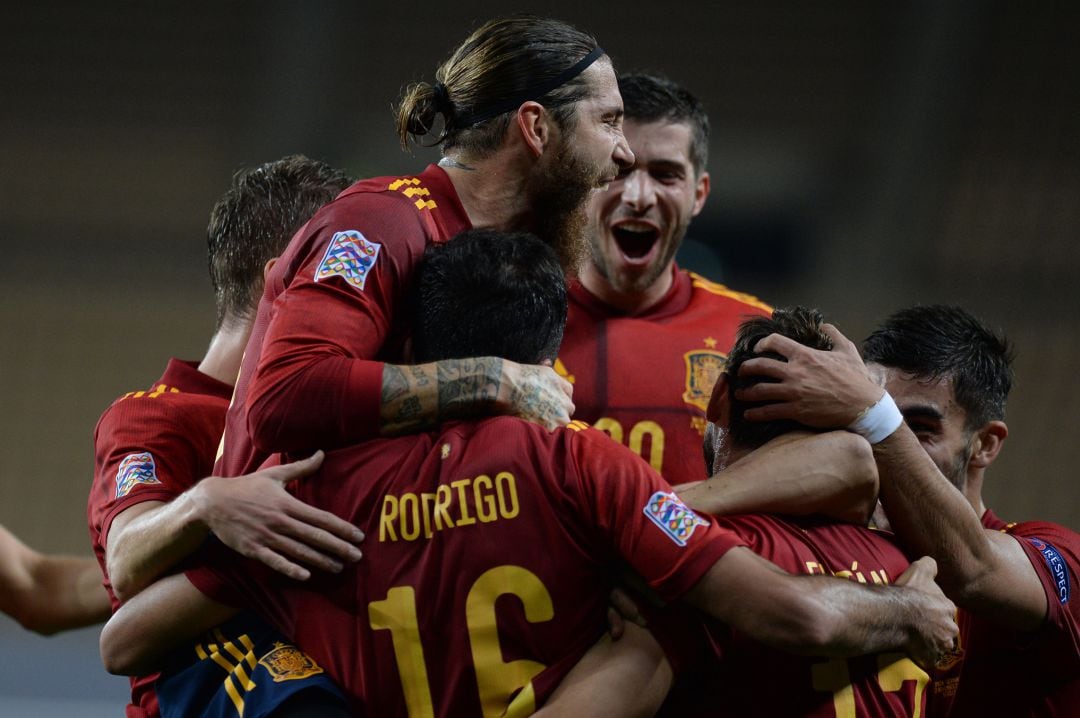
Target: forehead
x=658 y=140
x=909 y=391
x=603 y=86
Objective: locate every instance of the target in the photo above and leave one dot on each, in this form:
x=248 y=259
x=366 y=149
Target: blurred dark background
x=865 y=156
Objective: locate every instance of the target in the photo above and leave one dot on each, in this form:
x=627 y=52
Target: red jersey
x=153 y=445
x=757 y=680
x=999 y=672
x=312 y=372
x=486 y=573
x=646 y=379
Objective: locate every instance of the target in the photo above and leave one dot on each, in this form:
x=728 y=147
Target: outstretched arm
x=47 y=593
x=422 y=396
x=825 y=615
x=985 y=571
x=254 y=515
x=831 y=473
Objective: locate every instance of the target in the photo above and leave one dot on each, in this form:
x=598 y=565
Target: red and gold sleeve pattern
x=661 y=538
x=329 y=317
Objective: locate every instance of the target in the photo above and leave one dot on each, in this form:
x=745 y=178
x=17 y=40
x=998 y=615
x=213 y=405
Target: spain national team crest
x=135 y=470
x=674 y=518
x=289 y=663
x=703 y=368
x=349 y=256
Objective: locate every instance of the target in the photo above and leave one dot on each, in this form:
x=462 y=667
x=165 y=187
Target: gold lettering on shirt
x=463 y=502
x=878 y=576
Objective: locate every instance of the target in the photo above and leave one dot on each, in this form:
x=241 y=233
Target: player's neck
x=633 y=302
x=491 y=190
x=226 y=351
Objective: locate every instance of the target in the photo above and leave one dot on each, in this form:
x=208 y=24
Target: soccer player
x=645 y=340
x=47 y=593
x=150 y=506
x=531 y=125
x=490 y=577
x=1019 y=649
x=881 y=684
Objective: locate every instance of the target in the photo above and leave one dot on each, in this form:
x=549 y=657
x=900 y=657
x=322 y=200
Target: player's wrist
x=198 y=505
x=877 y=421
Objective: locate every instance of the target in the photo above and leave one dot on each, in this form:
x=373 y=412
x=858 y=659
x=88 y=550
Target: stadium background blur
x=865 y=156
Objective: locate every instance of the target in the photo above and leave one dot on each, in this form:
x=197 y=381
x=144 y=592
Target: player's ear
x=719 y=411
x=989 y=441
x=534 y=124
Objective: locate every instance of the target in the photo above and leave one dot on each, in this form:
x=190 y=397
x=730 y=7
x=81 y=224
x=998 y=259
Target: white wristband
x=879 y=421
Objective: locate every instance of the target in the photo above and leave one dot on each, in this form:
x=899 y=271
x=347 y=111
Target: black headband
x=531 y=93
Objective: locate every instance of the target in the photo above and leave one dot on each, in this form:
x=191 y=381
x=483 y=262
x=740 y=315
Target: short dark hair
x=938 y=341
x=502 y=59
x=254 y=221
x=798 y=323
x=489 y=293
x=653 y=98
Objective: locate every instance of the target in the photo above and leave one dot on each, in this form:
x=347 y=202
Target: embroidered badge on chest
x=674 y=518
x=703 y=368
x=135 y=470
x=349 y=256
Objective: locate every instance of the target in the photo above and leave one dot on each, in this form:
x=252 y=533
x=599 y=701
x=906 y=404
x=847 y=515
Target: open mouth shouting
x=637 y=240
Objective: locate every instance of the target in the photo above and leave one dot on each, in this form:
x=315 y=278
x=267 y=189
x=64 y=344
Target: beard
x=559 y=192
x=956 y=470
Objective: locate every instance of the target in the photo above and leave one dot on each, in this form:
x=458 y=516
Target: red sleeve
x=662 y=539
x=149 y=449
x=1054 y=551
x=317 y=384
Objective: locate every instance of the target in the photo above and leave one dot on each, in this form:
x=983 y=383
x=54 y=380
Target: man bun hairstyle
x=499 y=66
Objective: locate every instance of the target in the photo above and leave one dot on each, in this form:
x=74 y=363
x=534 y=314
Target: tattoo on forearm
x=415 y=397
x=419 y=376
x=409 y=411
x=529 y=402
x=468 y=387
x=394 y=383
x=403 y=399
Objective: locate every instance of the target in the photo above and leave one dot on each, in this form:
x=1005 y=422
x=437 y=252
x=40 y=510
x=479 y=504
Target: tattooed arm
x=421 y=396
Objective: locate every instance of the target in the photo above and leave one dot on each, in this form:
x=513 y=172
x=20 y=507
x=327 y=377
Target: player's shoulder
x=1043 y=533
x=403 y=197
x=584 y=434
x=706 y=290
x=157 y=409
